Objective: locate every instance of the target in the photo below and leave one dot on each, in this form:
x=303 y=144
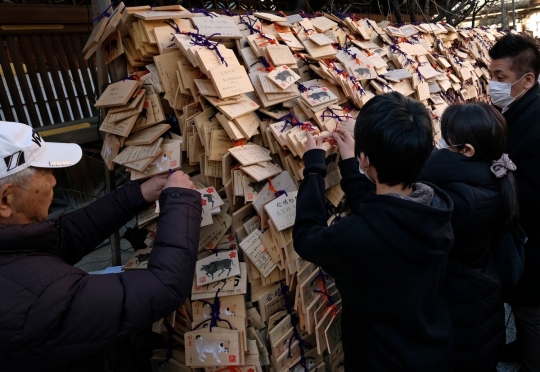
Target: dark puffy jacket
x=55 y=317
x=389 y=259
x=472 y=289
x=523 y=148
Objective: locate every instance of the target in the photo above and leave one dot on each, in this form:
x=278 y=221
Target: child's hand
x=345 y=143
x=314 y=143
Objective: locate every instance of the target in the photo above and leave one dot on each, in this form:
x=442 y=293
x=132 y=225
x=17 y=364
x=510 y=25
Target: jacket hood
x=445 y=166
x=418 y=231
x=39 y=237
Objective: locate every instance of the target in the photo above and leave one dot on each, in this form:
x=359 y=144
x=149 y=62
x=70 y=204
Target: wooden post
x=118 y=70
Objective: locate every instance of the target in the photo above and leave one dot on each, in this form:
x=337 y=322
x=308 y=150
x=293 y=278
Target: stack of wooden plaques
x=246 y=90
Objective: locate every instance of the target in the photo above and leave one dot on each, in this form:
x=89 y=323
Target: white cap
x=22 y=147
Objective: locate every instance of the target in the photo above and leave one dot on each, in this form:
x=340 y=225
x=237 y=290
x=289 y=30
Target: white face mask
x=500 y=93
x=443 y=144
x=363 y=172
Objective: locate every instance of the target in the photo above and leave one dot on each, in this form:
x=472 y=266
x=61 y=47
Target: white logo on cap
x=59 y=163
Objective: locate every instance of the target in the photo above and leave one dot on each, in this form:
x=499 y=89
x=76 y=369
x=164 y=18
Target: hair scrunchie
x=500 y=167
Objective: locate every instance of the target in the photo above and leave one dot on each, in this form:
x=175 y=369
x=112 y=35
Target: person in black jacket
x=55 y=317
x=389 y=257
x=514 y=88
x=472 y=169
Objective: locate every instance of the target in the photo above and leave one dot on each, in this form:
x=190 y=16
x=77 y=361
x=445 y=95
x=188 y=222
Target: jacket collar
x=33 y=238
x=522 y=104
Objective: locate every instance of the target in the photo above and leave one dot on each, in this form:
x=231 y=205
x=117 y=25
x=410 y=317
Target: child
x=389 y=257
x=473 y=170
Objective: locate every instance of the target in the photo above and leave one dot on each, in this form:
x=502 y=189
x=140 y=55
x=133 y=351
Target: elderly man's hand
x=152 y=188
x=179 y=179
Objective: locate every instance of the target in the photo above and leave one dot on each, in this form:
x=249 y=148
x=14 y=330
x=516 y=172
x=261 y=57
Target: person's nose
x=53 y=181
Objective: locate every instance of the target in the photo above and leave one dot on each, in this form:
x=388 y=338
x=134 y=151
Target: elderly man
x=514 y=68
x=55 y=317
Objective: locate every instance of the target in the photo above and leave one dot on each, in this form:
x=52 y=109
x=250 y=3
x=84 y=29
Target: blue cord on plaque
x=291 y=120
x=104 y=14
x=418 y=73
x=170 y=342
x=296 y=335
x=203 y=11
x=227 y=12
x=262 y=61
x=214 y=313
x=342 y=16
x=332 y=115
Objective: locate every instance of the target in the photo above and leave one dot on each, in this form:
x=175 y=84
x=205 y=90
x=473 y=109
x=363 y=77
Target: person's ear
x=468 y=150
x=6 y=199
x=363 y=160
x=529 y=81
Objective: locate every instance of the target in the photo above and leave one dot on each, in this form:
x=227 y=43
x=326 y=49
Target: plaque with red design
x=217 y=267
x=210 y=199
x=283 y=77
x=318 y=96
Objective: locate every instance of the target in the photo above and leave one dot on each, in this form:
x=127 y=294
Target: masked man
x=514 y=89
x=55 y=317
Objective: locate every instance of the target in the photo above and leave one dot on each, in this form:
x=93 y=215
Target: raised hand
x=345 y=143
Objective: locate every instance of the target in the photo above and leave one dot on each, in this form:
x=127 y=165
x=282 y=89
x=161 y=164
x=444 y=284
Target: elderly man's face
x=20 y=206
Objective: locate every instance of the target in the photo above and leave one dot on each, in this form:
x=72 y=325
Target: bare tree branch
x=412 y=10
x=426 y=8
x=396 y=11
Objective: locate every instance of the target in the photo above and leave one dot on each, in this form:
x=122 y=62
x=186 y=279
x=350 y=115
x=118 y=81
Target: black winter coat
x=55 y=317
x=472 y=289
x=389 y=259
x=523 y=148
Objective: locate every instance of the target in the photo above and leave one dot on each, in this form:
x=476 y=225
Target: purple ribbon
x=305 y=30
x=384 y=85
x=305 y=15
x=215 y=307
x=262 y=60
x=457 y=60
x=104 y=14
x=203 y=11
x=347 y=50
x=420 y=76
x=250 y=23
x=130 y=77
x=294 y=322
x=416 y=39
x=290 y=120
x=170 y=344
x=332 y=115
x=357 y=85
x=173 y=24
x=301 y=87
x=227 y=12
x=397 y=50
x=281 y=192
x=201 y=40
x=449 y=97
x=342 y=16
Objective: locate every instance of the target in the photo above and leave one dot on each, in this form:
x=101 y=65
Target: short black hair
x=477 y=124
x=522 y=49
x=396 y=134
